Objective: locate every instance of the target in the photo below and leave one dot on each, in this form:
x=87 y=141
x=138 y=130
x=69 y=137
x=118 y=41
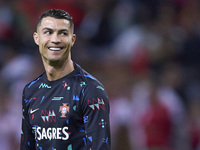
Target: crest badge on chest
x=64 y=110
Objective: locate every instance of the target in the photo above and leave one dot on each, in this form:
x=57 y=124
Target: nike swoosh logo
x=32 y=111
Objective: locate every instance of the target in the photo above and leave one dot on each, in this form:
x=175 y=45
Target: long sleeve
x=27 y=133
x=96 y=117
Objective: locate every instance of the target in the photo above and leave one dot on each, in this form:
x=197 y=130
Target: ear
x=36 y=38
x=73 y=39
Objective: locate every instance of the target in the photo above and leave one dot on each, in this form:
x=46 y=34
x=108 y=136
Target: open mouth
x=55 y=48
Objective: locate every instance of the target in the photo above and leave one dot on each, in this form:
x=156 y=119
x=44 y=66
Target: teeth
x=54 y=48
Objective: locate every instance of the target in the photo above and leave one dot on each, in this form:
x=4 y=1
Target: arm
x=96 y=110
x=27 y=134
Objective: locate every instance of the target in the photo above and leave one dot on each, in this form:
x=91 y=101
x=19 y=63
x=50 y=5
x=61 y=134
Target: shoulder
x=32 y=83
x=85 y=76
x=90 y=83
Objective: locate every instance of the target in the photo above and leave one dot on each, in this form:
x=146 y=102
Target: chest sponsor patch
x=51 y=133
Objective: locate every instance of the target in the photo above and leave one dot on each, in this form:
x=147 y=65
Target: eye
x=47 y=32
x=64 y=33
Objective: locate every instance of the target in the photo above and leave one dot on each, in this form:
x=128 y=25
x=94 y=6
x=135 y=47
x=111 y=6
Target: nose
x=55 y=38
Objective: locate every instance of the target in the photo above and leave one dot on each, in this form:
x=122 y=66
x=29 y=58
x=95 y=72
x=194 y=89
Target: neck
x=55 y=72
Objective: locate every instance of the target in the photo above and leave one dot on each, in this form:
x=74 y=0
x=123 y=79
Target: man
x=65 y=108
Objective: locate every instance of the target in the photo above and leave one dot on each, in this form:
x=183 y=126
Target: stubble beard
x=59 y=62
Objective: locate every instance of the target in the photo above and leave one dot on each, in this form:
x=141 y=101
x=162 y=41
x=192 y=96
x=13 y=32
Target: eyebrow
x=46 y=28
x=61 y=30
x=64 y=30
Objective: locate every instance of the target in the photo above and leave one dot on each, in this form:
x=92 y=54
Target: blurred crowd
x=145 y=52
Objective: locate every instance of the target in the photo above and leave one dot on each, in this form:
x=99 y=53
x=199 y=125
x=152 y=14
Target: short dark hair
x=58 y=14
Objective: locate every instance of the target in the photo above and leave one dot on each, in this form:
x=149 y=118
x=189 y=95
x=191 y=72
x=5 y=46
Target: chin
x=55 y=60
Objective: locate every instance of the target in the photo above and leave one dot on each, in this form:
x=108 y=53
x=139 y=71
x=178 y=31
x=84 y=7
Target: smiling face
x=55 y=38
